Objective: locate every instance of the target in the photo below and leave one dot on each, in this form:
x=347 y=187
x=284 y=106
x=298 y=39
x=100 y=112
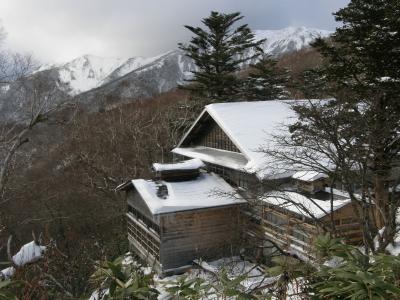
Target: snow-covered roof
x=224 y=158
x=190 y=164
x=251 y=126
x=309 y=176
x=207 y=190
x=303 y=205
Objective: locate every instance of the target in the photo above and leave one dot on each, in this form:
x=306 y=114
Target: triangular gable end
x=207 y=132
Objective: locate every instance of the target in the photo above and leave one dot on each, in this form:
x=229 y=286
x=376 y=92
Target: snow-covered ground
x=29 y=253
x=209 y=271
x=256 y=278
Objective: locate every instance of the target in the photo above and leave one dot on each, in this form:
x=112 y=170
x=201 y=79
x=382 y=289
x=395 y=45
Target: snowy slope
x=103 y=83
x=86 y=72
x=130 y=65
x=89 y=72
x=288 y=39
x=162 y=74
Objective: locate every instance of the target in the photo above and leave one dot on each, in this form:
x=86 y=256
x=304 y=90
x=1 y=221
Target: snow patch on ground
x=209 y=271
x=29 y=253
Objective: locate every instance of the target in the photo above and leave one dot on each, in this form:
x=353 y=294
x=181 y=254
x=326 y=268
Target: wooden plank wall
x=346 y=224
x=206 y=233
x=134 y=199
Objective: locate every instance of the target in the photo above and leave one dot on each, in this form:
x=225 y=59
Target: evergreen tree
x=266 y=82
x=350 y=274
x=358 y=131
x=364 y=60
x=219 y=51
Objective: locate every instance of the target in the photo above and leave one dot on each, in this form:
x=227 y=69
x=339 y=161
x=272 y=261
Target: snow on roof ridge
x=251 y=125
x=309 y=175
x=212 y=109
x=190 y=164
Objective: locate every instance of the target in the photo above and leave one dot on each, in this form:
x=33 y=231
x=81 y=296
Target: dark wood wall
x=207 y=233
x=346 y=224
x=207 y=133
x=135 y=200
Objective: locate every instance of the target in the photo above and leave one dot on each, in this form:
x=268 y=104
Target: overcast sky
x=60 y=30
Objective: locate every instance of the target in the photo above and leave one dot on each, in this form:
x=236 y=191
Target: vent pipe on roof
x=162 y=191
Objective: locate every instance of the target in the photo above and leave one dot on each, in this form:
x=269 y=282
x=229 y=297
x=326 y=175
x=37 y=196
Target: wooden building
x=195 y=207
x=183 y=214
x=310 y=181
x=229 y=137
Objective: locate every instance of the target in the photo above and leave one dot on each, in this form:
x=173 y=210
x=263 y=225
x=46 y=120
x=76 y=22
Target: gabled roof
x=309 y=176
x=206 y=191
x=250 y=126
x=303 y=205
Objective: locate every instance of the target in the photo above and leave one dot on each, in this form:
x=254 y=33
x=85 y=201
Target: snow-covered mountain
x=288 y=39
x=94 y=81
x=88 y=72
x=162 y=74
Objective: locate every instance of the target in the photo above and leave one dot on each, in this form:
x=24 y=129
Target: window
x=300 y=235
x=243 y=181
x=148 y=242
x=145 y=220
x=223 y=172
x=275 y=219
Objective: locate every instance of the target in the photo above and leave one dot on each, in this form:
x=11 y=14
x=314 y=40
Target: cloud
x=64 y=29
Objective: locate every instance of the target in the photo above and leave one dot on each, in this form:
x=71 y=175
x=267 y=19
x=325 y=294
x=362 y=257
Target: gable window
x=215 y=137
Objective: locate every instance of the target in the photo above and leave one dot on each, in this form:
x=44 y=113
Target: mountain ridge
x=278 y=42
x=97 y=83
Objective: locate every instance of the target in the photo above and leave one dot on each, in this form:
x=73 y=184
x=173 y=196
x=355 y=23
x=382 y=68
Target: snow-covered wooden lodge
x=183 y=214
x=192 y=208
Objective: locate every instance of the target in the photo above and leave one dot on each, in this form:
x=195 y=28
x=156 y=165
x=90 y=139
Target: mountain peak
x=289 y=39
x=90 y=71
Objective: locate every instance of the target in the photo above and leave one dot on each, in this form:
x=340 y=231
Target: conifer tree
x=219 y=51
x=358 y=130
x=266 y=81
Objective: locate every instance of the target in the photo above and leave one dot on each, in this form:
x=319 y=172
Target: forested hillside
x=62 y=183
x=71 y=133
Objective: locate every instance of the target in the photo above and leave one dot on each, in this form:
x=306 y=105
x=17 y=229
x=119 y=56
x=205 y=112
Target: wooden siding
x=135 y=200
x=143 y=230
x=235 y=177
x=310 y=187
x=288 y=229
x=207 y=233
x=209 y=134
x=170 y=241
x=144 y=241
x=346 y=224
